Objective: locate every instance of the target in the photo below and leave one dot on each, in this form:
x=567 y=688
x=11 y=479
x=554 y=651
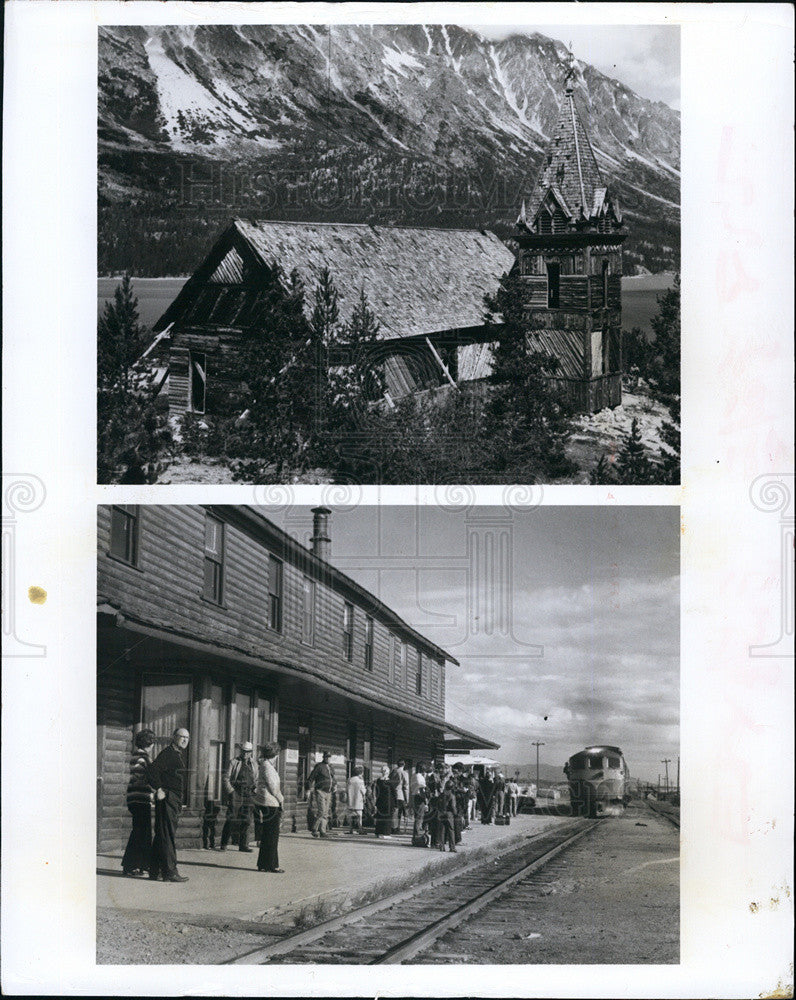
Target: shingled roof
x=418 y=281
x=570 y=175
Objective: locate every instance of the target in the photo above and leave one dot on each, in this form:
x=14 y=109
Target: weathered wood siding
x=166 y=590
x=568 y=345
x=474 y=361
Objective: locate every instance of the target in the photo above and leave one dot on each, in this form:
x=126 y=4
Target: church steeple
x=569 y=264
x=570 y=192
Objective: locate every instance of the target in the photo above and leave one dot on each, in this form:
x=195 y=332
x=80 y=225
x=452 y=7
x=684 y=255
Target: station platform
x=338 y=869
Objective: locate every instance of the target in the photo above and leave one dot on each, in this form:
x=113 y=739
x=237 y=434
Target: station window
x=348 y=631
x=419 y=674
x=124 y=533
x=275 y=593
x=214 y=559
x=166 y=706
x=217 y=734
x=605 y=283
x=308 y=612
x=368 y=643
x=398 y=661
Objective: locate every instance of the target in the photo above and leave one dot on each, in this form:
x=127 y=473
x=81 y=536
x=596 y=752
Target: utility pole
x=678 y=775
x=537 y=745
x=666 y=761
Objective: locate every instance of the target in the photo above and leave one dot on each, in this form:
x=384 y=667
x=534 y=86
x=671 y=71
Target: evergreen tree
x=669 y=457
x=120 y=339
x=525 y=419
x=131 y=432
x=634 y=467
x=600 y=475
x=666 y=327
x=273 y=375
x=354 y=383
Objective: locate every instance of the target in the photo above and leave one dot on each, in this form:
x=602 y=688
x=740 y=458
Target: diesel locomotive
x=598 y=781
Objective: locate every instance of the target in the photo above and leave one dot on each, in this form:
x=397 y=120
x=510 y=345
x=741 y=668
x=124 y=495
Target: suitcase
x=502 y=820
x=421 y=839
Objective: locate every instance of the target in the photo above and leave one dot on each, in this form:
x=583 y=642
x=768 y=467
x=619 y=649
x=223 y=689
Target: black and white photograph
x=397 y=499
x=304 y=714
x=388 y=253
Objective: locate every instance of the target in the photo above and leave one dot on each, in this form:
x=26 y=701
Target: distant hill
x=548 y=773
x=422 y=125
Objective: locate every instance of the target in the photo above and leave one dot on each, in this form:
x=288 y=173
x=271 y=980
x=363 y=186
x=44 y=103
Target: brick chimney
x=321 y=542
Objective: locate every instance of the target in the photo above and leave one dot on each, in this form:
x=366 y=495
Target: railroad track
x=665 y=814
x=399 y=927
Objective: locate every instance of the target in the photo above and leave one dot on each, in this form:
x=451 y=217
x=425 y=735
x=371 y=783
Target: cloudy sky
x=572 y=639
x=644 y=57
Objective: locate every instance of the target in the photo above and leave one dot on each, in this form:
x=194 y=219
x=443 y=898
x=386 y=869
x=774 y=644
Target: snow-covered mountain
x=386 y=105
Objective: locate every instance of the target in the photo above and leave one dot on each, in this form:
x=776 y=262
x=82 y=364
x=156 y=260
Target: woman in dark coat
x=384 y=794
x=135 y=862
x=486 y=797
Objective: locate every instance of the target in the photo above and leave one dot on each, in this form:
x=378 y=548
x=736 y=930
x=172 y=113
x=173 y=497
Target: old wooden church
x=427 y=287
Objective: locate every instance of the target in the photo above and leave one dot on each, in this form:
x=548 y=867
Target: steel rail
x=674 y=820
x=420 y=941
x=301 y=938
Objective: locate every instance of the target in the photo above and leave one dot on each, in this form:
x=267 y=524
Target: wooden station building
x=213 y=618
x=426 y=287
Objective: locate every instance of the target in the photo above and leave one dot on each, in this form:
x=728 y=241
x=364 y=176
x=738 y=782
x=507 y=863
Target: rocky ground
x=604 y=433
x=146 y=938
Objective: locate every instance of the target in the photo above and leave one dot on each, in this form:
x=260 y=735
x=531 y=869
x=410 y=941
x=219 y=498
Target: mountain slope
x=404 y=123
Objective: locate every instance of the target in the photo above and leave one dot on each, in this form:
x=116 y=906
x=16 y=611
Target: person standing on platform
x=321 y=785
x=500 y=795
x=167 y=776
x=446 y=817
x=239 y=782
x=486 y=797
x=135 y=862
x=418 y=792
x=385 y=804
x=514 y=794
x=399 y=792
x=355 y=799
x=268 y=803
x=229 y=819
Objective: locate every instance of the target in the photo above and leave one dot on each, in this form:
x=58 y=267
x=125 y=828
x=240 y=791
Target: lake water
x=639 y=297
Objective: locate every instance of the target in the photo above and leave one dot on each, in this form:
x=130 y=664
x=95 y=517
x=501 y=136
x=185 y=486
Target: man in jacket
x=167 y=775
x=239 y=782
x=321 y=785
x=446 y=817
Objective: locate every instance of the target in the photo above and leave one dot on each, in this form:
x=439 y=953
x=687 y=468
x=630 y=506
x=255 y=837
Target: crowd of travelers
x=435 y=802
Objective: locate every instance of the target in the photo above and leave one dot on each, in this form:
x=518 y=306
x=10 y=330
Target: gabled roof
x=417 y=281
x=570 y=168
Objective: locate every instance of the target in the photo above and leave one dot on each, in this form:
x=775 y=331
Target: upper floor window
x=214 y=559
x=605 y=282
x=348 y=631
x=419 y=674
x=553 y=281
x=398 y=658
x=368 y=643
x=124 y=532
x=308 y=612
x=275 y=593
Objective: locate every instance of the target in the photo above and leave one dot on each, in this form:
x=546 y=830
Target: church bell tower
x=570 y=263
